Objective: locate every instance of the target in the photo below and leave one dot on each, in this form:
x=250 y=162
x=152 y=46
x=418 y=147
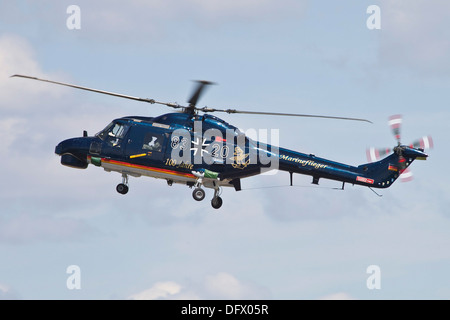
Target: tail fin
x=385 y=172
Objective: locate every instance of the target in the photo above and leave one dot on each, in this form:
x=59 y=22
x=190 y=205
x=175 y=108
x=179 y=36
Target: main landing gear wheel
x=198 y=194
x=216 y=202
x=122 y=188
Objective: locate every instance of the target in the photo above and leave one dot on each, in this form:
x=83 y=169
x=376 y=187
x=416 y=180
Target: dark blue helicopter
x=201 y=150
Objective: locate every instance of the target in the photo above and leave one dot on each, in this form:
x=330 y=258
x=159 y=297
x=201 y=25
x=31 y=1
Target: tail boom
x=380 y=174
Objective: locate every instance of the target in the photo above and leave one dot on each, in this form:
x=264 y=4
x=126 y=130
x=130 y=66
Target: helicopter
x=197 y=149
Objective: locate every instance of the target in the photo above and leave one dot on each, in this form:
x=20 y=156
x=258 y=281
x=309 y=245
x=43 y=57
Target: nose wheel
x=198 y=194
x=122 y=188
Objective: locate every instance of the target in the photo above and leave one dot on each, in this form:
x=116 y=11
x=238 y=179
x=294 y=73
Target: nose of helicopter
x=74 y=152
x=74 y=145
x=59 y=148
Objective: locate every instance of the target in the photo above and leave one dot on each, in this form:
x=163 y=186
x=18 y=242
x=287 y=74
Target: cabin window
x=153 y=142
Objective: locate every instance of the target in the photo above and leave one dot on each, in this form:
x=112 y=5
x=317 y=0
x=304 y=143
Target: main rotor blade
x=192 y=101
x=201 y=84
x=205 y=109
x=152 y=101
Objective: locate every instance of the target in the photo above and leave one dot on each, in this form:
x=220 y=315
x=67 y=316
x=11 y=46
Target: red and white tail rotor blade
x=423 y=143
x=372 y=155
x=406 y=175
x=376 y=154
x=395 y=122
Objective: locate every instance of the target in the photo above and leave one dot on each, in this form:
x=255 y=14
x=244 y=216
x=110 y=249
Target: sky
x=268 y=241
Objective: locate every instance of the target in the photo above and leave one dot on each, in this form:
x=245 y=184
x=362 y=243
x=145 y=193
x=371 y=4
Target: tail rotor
x=395 y=123
x=425 y=142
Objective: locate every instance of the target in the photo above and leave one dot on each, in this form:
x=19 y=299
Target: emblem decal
x=239 y=159
x=199 y=145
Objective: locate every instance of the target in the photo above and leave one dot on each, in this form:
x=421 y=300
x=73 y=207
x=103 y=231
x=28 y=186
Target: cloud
x=10 y=129
x=217 y=286
x=245 y=10
x=415 y=36
x=28 y=228
x=145 y=21
x=17 y=57
x=26 y=100
x=225 y=286
x=202 y=11
x=31 y=123
x=160 y=290
x=6 y=293
x=337 y=296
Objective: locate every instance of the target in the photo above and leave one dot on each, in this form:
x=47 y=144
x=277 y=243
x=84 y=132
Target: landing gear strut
x=199 y=194
x=122 y=188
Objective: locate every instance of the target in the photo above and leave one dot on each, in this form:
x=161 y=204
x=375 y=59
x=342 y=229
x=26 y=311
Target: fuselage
x=178 y=147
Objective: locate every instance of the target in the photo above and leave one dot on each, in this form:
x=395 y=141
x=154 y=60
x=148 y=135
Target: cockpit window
x=114 y=133
x=103 y=134
x=118 y=131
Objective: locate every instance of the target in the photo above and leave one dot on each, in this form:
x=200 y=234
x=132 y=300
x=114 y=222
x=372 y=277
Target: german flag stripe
x=153 y=169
